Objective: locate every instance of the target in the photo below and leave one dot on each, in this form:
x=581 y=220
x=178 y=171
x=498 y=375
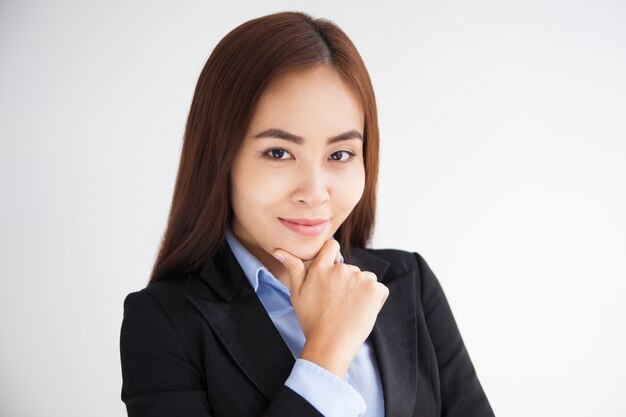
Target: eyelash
x=267 y=152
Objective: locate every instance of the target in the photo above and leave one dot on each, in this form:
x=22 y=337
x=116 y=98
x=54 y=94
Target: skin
x=273 y=177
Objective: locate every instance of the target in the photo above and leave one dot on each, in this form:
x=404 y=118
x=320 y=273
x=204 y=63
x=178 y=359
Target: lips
x=305 y=222
x=305 y=227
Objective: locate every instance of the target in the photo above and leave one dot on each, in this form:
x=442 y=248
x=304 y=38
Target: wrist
x=329 y=359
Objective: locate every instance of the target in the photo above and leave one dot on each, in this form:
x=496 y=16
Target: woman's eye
x=348 y=156
x=276 y=153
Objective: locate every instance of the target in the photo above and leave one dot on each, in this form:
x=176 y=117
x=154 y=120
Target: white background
x=503 y=162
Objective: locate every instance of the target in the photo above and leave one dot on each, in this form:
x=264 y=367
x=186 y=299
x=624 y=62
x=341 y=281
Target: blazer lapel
x=248 y=333
x=242 y=324
x=394 y=336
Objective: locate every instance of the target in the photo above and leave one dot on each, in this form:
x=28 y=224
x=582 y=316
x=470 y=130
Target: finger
x=338 y=258
x=385 y=296
x=326 y=256
x=295 y=268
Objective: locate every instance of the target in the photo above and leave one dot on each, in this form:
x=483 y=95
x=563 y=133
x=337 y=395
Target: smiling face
x=301 y=158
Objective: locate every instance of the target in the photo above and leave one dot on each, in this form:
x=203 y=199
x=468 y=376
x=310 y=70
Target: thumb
x=295 y=268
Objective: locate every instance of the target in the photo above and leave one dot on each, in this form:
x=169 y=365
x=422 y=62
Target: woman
x=264 y=299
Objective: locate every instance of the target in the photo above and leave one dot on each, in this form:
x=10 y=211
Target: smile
x=305 y=227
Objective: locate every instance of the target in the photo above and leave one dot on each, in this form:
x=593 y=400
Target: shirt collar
x=249 y=263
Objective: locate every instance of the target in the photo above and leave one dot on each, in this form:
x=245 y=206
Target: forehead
x=311 y=100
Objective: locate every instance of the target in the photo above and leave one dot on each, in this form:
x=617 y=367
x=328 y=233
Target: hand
x=336 y=304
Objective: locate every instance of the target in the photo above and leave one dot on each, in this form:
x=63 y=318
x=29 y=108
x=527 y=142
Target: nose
x=311 y=186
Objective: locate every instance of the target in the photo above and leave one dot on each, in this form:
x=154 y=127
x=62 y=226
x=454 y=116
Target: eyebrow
x=281 y=134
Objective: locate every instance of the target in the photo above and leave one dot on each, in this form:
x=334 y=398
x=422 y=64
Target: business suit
x=205 y=346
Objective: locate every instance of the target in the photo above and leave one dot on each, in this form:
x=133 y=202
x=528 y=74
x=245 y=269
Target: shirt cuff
x=329 y=394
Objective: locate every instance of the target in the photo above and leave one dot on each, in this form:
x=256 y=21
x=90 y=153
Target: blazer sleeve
x=460 y=390
x=159 y=378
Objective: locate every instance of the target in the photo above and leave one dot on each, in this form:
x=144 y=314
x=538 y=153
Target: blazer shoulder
x=165 y=293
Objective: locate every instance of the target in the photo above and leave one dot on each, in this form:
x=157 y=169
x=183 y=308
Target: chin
x=306 y=253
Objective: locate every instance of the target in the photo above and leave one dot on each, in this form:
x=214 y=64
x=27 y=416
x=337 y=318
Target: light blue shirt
x=360 y=394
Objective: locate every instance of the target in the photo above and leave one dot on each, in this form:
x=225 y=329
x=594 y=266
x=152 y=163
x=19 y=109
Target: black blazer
x=204 y=346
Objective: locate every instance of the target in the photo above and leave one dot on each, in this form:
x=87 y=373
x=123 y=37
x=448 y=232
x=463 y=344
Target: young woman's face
x=300 y=172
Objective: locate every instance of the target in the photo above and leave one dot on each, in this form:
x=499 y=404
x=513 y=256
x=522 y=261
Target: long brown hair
x=231 y=83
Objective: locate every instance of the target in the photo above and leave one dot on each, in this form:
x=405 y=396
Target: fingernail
x=278 y=256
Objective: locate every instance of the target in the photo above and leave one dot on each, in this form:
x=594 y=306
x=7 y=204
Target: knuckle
x=385 y=292
x=348 y=267
x=382 y=290
x=370 y=285
x=370 y=275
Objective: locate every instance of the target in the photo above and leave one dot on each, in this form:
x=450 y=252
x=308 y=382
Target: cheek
x=254 y=188
x=349 y=189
